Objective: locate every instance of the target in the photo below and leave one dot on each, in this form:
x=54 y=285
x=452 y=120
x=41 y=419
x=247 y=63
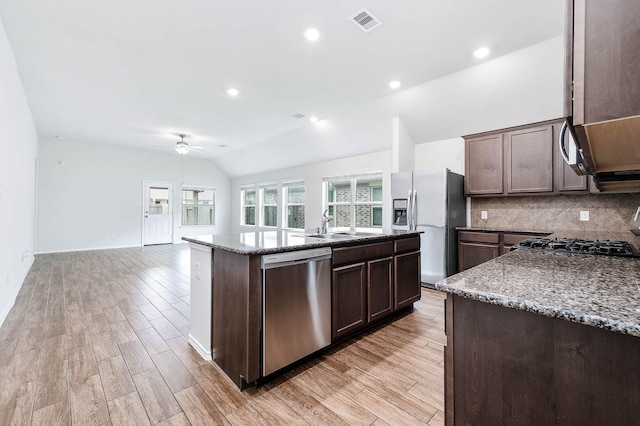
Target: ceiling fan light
x=182 y=147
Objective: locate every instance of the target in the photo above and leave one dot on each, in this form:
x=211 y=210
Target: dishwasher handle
x=279 y=260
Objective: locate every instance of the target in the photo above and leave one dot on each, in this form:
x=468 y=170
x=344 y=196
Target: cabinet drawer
x=511 y=239
x=345 y=255
x=407 y=245
x=479 y=237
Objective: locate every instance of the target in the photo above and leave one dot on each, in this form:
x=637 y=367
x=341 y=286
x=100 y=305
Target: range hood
x=611 y=153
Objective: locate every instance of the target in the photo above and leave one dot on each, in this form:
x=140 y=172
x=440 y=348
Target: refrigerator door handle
x=414 y=210
x=409 y=211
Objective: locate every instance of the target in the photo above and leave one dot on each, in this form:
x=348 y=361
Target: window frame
x=354 y=203
x=243 y=205
x=199 y=188
x=286 y=204
x=262 y=188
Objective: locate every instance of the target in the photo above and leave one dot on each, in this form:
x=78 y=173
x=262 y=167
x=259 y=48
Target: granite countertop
x=601 y=291
x=268 y=242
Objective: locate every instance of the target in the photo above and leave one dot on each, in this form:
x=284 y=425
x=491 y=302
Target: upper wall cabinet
x=519 y=161
x=483 y=165
x=529 y=160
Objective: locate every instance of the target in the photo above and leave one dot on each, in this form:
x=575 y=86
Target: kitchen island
x=544 y=338
x=371 y=277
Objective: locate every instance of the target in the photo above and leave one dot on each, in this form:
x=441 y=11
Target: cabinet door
x=349 y=299
x=530 y=160
x=380 y=286
x=407 y=279
x=605 y=60
x=484 y=165
x=472 y=254
x=566 y=179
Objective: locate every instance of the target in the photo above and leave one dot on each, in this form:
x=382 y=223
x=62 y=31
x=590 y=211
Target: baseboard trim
x=87 y=249
x=14 y=296
x=205 y=354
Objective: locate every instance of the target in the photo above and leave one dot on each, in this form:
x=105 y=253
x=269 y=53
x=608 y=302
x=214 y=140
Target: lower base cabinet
x=349 y=294
x=372 y=281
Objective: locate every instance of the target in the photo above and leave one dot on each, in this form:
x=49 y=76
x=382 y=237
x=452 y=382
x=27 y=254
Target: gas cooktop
x=574 y=245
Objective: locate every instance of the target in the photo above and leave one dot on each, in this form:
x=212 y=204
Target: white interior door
x=157 y=213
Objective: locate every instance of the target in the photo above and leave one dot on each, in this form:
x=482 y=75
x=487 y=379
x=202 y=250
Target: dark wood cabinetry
x=349 y=304
x=529 y=160
x=380 y=287
x=507 y=366
x=523 y=160
x=475 y=247
x=484 y=165
x=407 y=272
x=362 y=286
x=372 y=281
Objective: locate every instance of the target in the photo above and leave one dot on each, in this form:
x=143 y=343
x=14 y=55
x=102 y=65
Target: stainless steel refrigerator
x=431 y=201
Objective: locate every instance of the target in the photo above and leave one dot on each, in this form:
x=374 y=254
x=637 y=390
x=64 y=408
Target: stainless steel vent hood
x=602 y=89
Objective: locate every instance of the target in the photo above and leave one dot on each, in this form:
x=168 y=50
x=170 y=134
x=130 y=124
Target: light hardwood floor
x=99 y=338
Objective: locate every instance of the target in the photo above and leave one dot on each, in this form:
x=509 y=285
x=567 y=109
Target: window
x=354 y=202
x=293 y=196
x=248 y=205
x=269 y=203
x=198 y=205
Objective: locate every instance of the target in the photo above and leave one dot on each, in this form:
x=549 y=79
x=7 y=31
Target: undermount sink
x=327 y=236
x=339 y=235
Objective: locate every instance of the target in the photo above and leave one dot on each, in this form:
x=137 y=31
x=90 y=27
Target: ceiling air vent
x=365 y=20
x=298 y=115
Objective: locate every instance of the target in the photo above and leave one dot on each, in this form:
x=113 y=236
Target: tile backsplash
x=607 y=212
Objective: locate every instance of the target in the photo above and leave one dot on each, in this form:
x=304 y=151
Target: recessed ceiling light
x=394 y=84
x=481 y=52
x=314 y=119
x=312 y=34
x=233 y=92
x=222 y=145
x=58 y=137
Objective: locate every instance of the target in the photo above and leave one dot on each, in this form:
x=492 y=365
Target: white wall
x=90 y=196
x=403 y=148
x=312 y=175
x=447 y=153
x=18 y=154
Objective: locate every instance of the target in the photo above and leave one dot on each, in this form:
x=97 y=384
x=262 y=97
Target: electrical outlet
x=7 y=279
x=198 y=270
x=584 y=215
x=484 y=215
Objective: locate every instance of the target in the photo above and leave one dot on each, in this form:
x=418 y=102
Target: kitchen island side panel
x=236 y=315
x=517 y=367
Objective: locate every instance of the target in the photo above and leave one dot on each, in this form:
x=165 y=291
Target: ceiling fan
x=181 y=146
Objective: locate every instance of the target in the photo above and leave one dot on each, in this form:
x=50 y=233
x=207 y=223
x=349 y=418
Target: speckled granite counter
x=281 y=241
x=600 y=291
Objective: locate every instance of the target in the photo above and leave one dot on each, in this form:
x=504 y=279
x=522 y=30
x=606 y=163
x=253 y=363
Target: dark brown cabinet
x=407 y=272
x=529 y=160
x=349 y=299
x=509 y=366
x=372 y=281
x=484 y=165
x=362 y=286
x=523 y=160
x=475 y=248
x=380 y=287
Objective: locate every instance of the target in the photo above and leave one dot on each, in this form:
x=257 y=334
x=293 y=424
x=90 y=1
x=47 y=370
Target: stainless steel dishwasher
x=296 y=306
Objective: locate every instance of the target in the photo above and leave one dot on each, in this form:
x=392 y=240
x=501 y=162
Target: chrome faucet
x=325 y=221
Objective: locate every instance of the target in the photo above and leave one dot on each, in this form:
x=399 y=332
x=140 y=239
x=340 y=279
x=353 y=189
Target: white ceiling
x=137 y=73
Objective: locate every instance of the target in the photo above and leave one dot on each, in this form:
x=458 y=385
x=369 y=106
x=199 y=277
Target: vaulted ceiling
x=138 y=73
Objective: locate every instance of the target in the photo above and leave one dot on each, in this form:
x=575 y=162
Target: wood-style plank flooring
x=99 y=338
